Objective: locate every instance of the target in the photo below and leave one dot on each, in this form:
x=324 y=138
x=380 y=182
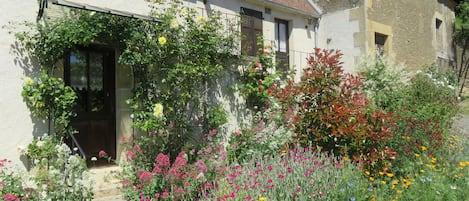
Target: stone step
x=106 y=186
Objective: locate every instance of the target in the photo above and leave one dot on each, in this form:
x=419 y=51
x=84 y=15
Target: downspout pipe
x=316 y=27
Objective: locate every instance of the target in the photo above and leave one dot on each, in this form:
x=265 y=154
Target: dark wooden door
x=282 y=45
x=90 y=72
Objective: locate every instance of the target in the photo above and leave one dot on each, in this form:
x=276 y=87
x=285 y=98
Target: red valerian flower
x=102 y=154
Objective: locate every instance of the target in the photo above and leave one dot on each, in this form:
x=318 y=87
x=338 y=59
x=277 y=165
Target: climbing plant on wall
x=173 y=61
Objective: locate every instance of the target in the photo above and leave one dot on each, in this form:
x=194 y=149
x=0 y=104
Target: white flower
x=75 y=148
x=40 y=143
x=94 y=158
x=21 y=149
x=174 y=24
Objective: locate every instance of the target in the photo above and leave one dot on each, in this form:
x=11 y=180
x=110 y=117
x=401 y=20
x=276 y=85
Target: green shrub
x=49 y=98
x=330 y=111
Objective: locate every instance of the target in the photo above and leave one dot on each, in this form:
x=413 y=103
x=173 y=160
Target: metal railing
x=76 y=144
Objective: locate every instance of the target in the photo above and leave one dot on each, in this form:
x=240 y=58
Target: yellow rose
x=29 y=81
x=158 y=110
x=162 y=40
x=174 y=24
x=183 y=11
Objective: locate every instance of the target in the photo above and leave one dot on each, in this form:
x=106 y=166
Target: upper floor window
x=251 y=28
x=380 y=43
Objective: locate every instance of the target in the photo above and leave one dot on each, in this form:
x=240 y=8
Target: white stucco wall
x=17 y=127
x=339 y=30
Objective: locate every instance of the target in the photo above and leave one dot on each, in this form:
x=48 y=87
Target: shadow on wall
x=30 y=68
x=222 y=92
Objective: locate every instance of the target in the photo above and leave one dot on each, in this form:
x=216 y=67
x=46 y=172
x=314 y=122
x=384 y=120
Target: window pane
x=96 y=90
x=282 y=37
x=79 y=78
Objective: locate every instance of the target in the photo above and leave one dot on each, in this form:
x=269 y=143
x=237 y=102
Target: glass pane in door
x=96 y=81
x=79 y=78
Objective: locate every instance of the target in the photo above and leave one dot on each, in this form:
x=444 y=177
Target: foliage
x=382 y=80
x=49 y=41
x=265 y=134
x=168 y=58
x=57 y=174
x=295 y=175
x=11 y=187
x=426 y=178
x=461 y=36
x=216 y=117
x=331 y=112
x=49 y=98
x=184 y=178
x=258 y=77
x=422 y=108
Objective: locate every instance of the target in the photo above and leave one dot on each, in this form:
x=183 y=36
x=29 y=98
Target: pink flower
x=130 y=155
x=164 y=195
x=269 y=168
x=281 y=176
x=102 y=154
x=162 y=160
x=298 y=188
x=269 y=181
x=212 y=132
x=126 y=182
x=238 y=133
x=208 y=150
x=187 y=183
x=145 y=177
x=201 y=166
x=289 y=170
x=179 y=162
x=10 y=197
x=157 y=170
x=247 y=198
x=136 y=148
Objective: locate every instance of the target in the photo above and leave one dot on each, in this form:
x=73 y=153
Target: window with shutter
x=251 y=28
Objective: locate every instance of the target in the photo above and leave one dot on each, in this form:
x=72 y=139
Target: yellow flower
x=381 y=173
x=346 y=158
x=28 y=81
x=162 y=40
x=371 y=179
x=373 y=199
x=394 y=182
x=390 y=175
x=174 y=24
x=434 y=160
x=422 y=171
x=201 y=19
x=183 y=11
x=367 y=172
x=399 y=192
x=383 y=182
x=423 y=148
x=262 y=199
x=417 y=155
x=158 y=110
x=463 y=164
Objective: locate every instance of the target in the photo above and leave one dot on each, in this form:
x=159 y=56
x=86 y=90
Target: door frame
x=109 y=85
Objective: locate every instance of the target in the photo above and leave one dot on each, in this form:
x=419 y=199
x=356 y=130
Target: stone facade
x=413 y=33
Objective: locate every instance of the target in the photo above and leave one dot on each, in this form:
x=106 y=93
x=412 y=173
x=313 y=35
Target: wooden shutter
x=251 y=28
